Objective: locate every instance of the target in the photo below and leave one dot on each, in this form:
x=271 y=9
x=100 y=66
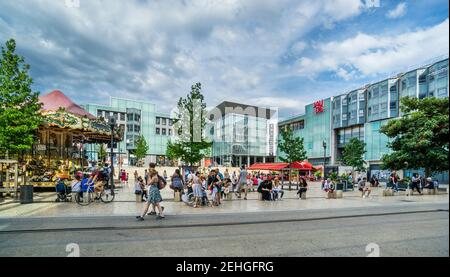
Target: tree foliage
x=141 y=148
x=353 y=154
x=419 y=139
x=19 y=105
x=291 y=146
x=189 y=125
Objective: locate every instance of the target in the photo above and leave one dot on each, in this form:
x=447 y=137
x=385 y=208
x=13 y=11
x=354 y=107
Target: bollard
x=177 y=196
x=339 y=194
x=229 y=196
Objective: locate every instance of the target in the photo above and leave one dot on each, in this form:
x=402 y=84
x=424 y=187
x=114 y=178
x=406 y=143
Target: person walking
x=177 y=181
x=415 y=183
x=242 y=183
x=154 y=196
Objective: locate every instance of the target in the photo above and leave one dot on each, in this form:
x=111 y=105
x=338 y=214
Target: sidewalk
x=125 y=205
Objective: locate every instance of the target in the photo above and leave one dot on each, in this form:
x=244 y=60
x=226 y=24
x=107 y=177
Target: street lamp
x=324 y=144
x=112 y=124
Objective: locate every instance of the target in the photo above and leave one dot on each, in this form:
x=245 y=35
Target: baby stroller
x=63 y=193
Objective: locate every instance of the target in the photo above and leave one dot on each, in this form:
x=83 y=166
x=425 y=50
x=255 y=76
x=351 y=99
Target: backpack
x=161 y=183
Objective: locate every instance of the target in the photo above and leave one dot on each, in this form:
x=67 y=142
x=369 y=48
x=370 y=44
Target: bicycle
x=105 y=195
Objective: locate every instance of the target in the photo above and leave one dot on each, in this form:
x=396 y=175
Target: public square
x=314 y=226
x=250 y=128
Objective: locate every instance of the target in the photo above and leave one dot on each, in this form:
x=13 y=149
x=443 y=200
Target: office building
x=136 y=118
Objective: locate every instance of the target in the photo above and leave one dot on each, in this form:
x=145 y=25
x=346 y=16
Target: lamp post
x=324 y=144
x=112 y=124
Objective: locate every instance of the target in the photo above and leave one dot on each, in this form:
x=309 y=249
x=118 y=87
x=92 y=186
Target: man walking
x=242 y=182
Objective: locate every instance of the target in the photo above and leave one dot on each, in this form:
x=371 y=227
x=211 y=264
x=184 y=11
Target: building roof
x=56 y=100
x=227 y=107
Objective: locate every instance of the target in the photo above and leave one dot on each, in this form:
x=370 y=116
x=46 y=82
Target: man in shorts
x=242 y=183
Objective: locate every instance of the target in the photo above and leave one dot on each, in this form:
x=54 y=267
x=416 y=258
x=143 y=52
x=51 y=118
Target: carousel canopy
x=62 y=113
x=56 y=100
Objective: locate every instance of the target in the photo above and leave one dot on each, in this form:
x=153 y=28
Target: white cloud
x=377 y=54
x=398 y=11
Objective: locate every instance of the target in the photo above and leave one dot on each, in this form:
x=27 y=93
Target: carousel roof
x=56 y=100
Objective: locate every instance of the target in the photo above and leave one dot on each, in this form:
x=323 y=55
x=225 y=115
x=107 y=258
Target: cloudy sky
x=274 y=53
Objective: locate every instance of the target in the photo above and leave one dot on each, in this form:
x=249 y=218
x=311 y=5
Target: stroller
x=63 y=192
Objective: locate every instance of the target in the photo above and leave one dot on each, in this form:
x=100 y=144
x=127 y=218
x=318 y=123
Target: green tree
x=419 y=139
x=19 y=105
x=141 y=148
x=353 y=154
x=189 y=125
x=102 y=152
x=291 y=146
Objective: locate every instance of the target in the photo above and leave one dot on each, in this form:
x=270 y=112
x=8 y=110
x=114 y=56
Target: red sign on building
x=318 y=106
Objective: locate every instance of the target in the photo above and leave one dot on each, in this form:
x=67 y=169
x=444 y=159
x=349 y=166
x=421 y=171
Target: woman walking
x=154 y=196
x=197 y=188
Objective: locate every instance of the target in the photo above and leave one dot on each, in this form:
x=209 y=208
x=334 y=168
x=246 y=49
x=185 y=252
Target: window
x=170 y=132
x=163 y=131
x=353 y=115
x=164 y=121
x=170 y=122
x=383 y=107
x=361 y=113
x=375 y=109
x=99 y=113
x=137 y=128
x=442 y=92
x=129 y=128
x=129 y=117
x=137 y=117
x=122 y=116
x=393 y=105
x=369 y=111
x=157 y=131
x=158 y=120
x=344 y=116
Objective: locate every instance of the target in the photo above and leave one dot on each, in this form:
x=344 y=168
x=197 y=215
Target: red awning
x=268 y=166
x=302 y=166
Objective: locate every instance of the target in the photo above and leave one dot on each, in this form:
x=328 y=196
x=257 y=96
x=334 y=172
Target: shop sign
x=41 y=147
x=318 y=106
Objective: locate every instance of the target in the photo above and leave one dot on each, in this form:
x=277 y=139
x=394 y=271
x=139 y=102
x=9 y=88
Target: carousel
x=58 y=151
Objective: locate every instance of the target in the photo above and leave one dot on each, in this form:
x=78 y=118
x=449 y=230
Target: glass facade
x=240 y=138
x=137 y=118
x=361 y=113
x=316 y=129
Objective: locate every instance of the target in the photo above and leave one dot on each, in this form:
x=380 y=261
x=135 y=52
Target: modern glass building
x=242 y=134
x=360 y=113
x=315 y=128
x=136 y=118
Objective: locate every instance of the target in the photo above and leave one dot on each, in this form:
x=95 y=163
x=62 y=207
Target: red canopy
x=56 y=99
x=302 y=166
x=268 y=166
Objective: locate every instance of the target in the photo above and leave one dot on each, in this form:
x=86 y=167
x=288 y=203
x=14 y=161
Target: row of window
x=163 y=131
x=108 y=114
x=164 y=121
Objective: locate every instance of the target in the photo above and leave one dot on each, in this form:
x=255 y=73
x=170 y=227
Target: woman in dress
x=154 y=196
x=197 y=188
